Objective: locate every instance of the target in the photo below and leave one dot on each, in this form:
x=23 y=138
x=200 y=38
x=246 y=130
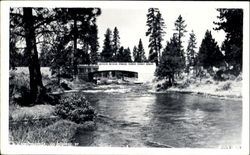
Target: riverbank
x=45 y=123
x=41 y=125
x=229 y=89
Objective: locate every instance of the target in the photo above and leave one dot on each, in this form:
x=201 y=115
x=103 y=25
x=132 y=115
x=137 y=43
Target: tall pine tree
x=170 y=61
x=191 y=54
x=61 y=58
x=124 y=55
x=107 y=52
x=180 y=28
x=209 y=53
x=231 y=21
x=25 y=25
x=139 y=54
x=120 y=54
x=155 y=32
x=94 y=46
x=115 y=43
x=135 y=54
x=127 y=55
x=82 y=28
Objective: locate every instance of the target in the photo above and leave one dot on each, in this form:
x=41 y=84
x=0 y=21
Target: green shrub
x=208 y=81
x=75 y=108
x=183 y=85
x=186 y=83
x=239 y=78
x=19 y=88
x=17 y=83
x=225 y=86
x=162 y=86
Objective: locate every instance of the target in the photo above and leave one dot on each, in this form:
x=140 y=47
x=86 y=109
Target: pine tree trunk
x=75 y=33
x=36 y=85
x=59 y=76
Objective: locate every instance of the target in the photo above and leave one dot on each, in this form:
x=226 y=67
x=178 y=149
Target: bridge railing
x=125 y=63
x=87 y=65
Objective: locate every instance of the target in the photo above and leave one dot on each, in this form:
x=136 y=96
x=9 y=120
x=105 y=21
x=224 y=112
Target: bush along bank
x=47 y=123
x=207 y=86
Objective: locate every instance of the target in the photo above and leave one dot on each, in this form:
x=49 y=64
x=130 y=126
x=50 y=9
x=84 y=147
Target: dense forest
x=62 y=38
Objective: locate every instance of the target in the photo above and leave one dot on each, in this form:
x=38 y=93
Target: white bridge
x=145 y=71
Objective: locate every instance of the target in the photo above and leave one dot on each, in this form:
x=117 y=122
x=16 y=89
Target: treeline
x=113 y=51
x=65 y=36
x=173 y=60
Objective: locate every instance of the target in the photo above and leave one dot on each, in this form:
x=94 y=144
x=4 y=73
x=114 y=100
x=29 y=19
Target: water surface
x=139 y=119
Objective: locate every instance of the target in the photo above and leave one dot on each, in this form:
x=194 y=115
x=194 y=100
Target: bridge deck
x=145 y=70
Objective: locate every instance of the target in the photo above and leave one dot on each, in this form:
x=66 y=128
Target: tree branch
x=47 y=20
x=19 y=34
x=16 y=14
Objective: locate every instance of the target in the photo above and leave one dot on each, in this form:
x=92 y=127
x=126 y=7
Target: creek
x=130 y=116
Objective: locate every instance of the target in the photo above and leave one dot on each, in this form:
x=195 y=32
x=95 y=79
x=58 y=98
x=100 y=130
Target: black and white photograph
x=154 y=76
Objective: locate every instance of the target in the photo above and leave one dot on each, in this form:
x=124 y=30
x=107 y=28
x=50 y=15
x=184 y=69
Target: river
x=130 y=117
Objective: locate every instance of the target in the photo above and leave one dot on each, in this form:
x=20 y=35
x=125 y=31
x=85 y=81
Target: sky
x=131 y=24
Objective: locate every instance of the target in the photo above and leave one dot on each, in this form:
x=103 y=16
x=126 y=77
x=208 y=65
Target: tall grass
x=43 y=132
x=34 y=112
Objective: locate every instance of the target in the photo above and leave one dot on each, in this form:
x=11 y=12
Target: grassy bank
x=229 y=89
x=40 y=125
x=47 y=123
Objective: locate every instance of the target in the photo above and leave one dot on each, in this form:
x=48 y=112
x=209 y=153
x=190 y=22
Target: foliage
x=28 y=24
x=225 y=86
x=19 y=88
x=46 y=56
x=180 y=28
x=93 y=55
x=107 y=52
x=43 y=132
x=209 y=53
x=82 y=30
x=60 y=64
x=19 y=91
x=119 y=56
x=39 y=125
x=155 y=32
x=185 y=84
x=48 y=28
x=231 y=21
x=138 y=53
x=239 y=78
x=127 y=55
x=170 y=61
x=75 y=108
x=124 y=55
x=135 y=53
x=191 y=54
x=115 y=43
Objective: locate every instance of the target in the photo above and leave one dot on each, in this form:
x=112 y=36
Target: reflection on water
x=163 y=120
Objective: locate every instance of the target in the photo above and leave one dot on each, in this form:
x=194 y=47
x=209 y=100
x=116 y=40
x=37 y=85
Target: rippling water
x=135 y=119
